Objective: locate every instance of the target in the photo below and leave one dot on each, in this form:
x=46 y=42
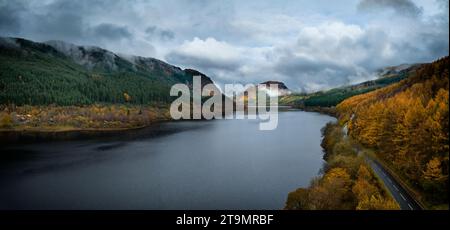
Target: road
x=399 y=193
x=402 y=197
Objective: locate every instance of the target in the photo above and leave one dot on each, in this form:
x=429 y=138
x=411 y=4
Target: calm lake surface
x=222 y=164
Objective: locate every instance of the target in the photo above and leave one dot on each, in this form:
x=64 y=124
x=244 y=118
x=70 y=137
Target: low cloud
x=208 y=53
x=154 y=32
x=404 y=7
x=10 y=17
x=111 y=31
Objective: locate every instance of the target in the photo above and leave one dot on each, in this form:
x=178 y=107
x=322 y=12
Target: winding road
x=400 y=194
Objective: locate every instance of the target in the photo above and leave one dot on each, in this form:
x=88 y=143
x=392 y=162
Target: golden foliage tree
x=127 y=97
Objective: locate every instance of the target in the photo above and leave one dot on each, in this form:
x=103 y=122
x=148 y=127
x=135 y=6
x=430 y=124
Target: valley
x=400 y=119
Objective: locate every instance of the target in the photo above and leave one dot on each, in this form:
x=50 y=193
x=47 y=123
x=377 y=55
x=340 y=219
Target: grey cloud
x=82 y=7
x=431 y=40
x=404 y=7
x=150 y=30
x=374 y=48
x=10 y=17
x=57 y=20
x=250 y=30
x=201 y=63
x=167 y=35
x=62 y=20
x=111 y=31
x=208 y=19
x=312 y=75
x=431 y=46
x=159 y=33
x=58 y=25
x=291 y=66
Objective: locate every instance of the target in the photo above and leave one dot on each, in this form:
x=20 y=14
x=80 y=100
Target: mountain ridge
x=330 y=98
x=87 y=74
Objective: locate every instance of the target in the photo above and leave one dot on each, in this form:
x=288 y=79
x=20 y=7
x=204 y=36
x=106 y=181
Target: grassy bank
x=97 y=117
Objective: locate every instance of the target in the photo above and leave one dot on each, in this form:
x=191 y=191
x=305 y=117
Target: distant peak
x=280 y=84
x=265 y=86
x=393 y=70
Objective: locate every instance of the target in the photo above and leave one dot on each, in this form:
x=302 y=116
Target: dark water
x=223 y=164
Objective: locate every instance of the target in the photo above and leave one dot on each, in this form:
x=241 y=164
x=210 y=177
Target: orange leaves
x=364 y=190
x=297 y=200
x=368 y=195
x=337 y=174
x=364 y=173
x=6 y=120
x=437 y=122
x=406 y=122
x=127 y=97
x=433 y=170
x=376 y=202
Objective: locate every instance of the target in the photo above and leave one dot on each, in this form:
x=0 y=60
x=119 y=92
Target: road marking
x=395 y=187
x=403 y=197
x=384 y=173
x=410 y=207
x=389 y=180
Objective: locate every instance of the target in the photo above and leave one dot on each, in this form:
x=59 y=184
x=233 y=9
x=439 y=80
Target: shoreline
x=73 y=129
x=330 y=111
x=90 y=118
x=39 y=130
x=68 y=129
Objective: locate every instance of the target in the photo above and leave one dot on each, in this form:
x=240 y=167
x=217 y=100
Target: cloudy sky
x=308 y=44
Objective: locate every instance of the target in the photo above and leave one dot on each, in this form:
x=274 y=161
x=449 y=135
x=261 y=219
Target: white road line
x=403 y=197
x=395 y=187
x=410 y=207
x=389 y=180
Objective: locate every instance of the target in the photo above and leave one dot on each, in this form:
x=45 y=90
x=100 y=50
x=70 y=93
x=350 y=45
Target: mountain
x=397 y=70
x=205 y=79
x=282 y=88
x=265 y=86
x=92 y=58
x=329 y=98
x=61 y=73
x=245 y=96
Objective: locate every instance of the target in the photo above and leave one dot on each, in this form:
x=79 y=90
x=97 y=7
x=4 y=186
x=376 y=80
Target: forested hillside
x=57 y=86
x=407 y=126
x=335 y=96
x=64 y=74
